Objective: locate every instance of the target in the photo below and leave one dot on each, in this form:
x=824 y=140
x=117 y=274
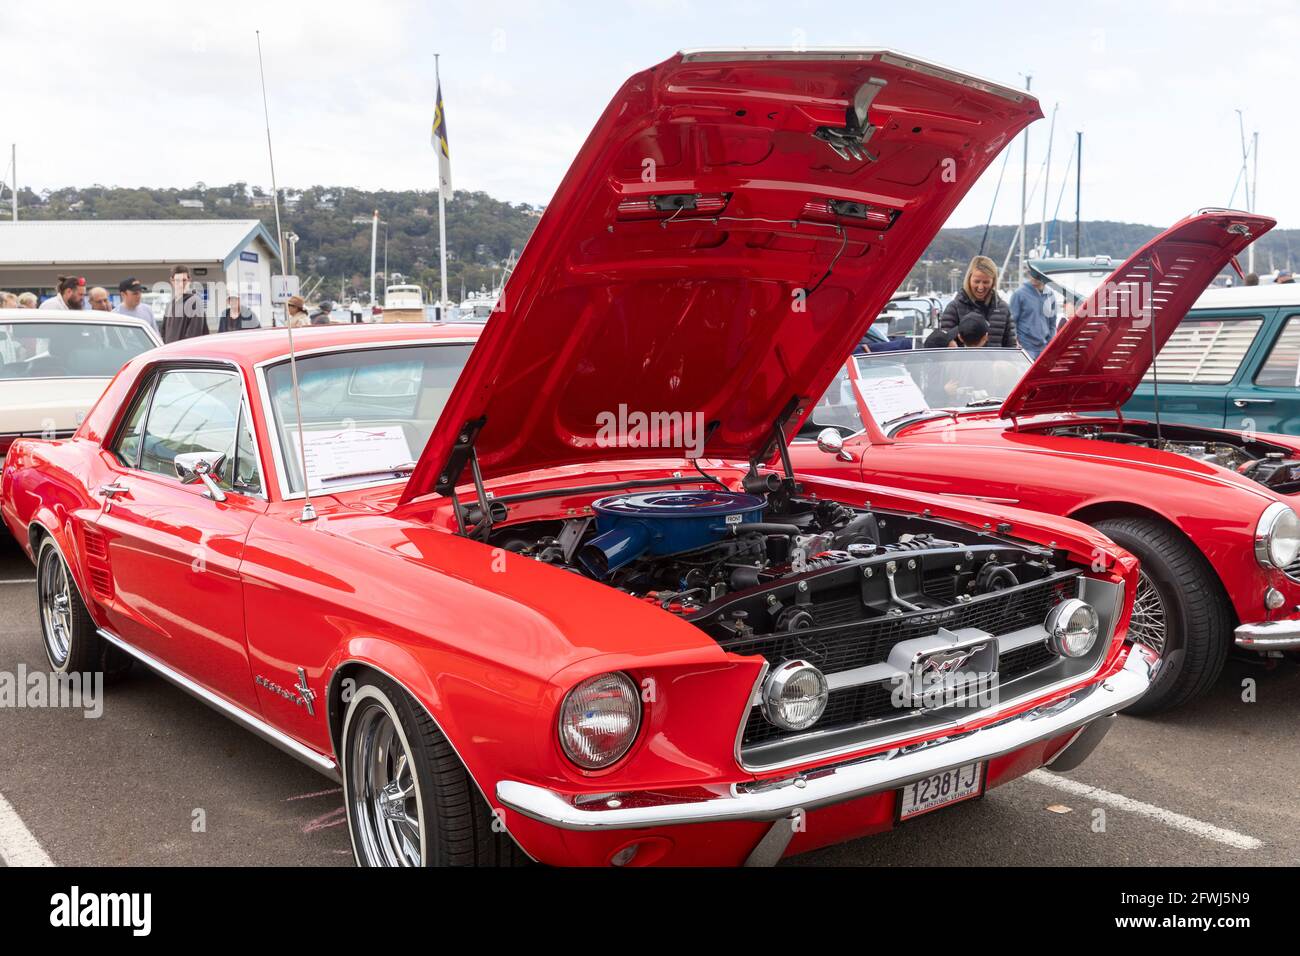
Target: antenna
x=308 y=510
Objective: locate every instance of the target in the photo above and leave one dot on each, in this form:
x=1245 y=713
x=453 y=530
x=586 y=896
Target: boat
x=404 y=303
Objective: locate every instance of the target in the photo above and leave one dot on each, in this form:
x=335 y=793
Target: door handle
x=116 y=488
x=1243 y=402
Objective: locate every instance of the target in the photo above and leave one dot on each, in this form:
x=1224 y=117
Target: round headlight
x=795 y=695
x=599 y=720
x=1072 y=628
x=1277 y=536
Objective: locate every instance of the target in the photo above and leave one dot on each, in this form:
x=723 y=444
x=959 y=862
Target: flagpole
x=442 y=216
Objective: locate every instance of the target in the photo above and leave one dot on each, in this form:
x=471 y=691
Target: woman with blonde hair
x=978 y=296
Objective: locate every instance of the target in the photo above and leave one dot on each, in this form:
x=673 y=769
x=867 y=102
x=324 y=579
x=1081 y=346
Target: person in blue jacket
x=1033 y=308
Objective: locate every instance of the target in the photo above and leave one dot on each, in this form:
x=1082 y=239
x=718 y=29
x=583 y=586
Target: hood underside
x=720 y=244
x=1097 y=360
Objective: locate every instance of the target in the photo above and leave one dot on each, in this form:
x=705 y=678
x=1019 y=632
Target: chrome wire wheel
x=382 y=794
x=54 y=592
x=1150 y=617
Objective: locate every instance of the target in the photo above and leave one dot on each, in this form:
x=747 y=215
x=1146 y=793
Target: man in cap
x=322 y=316
x=1033 y=307
x=1284 y=277
x=131 y=305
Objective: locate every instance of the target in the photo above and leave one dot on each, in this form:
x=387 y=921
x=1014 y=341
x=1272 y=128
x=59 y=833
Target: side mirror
x=830 y=441
x=192 y=466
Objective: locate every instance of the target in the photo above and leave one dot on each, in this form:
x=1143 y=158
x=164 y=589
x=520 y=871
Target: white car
x=55 y=365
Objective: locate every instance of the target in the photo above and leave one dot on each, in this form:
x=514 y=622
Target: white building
x=224 y=255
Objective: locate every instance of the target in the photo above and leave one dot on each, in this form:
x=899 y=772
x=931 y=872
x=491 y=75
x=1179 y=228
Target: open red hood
x=723 y=239
x=1095 y=362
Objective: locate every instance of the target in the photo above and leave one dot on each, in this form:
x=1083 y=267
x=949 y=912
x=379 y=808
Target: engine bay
x=741 y=565
x=1273 y=466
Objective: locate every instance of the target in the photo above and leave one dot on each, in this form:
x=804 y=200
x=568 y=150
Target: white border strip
x=1169 y=818
x=17 y=845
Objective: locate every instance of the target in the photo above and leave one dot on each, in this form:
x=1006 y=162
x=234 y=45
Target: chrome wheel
x=54 y=591
x=1149 y=620
x=382 y=795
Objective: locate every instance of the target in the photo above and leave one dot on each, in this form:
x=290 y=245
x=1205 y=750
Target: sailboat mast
x=1254 y=184
x=1024 y=193
x=1078 y=188
x=1047 y=179
x=442 y=223
x=374 y=243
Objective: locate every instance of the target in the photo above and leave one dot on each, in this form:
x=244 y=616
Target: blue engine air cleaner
x=662 y=523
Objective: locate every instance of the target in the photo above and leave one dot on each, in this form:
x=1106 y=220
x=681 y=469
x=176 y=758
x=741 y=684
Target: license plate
x=940 y=789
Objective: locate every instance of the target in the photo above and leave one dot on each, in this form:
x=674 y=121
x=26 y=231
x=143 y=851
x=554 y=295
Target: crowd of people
x=185 y=314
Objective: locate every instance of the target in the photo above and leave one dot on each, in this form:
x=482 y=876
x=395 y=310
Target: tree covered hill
x=333 y=226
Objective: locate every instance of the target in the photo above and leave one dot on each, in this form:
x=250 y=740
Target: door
x=1267 y=397
x=1197 y=367
x=174 y=546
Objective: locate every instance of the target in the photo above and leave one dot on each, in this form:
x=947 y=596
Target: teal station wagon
x=1233 y=362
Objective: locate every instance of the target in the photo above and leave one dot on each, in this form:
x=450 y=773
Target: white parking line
x=20 y=581
x=1169 y=818
x=17 y=845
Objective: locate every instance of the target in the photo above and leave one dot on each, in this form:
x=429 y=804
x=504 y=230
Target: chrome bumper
x=1269 y=636
x=824 y=786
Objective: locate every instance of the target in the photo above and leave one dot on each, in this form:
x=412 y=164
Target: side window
x=127 y=447
x=193 y=410
x=1206 y=351
x=1282 y=367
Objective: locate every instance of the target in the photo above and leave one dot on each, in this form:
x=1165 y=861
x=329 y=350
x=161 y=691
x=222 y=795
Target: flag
x=439 y=141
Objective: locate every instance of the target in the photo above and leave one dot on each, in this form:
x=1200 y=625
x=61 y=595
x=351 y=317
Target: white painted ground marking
x=1169 y=818
x=17 y=845
x=20 y=581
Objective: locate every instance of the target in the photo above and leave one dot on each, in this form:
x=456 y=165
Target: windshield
x=1081 y=282
x=367 y=414
x=898 y=384
x=67 y=349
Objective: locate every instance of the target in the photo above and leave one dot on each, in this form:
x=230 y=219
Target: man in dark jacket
x=184 y=318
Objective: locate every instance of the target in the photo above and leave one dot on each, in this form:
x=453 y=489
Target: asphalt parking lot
x=160 y=779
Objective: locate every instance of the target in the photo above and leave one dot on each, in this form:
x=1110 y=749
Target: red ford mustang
x=1208 y=512
x=488 y=590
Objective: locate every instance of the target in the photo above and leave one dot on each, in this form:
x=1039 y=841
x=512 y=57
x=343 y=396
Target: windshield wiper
x=980 y=403
x=403 y=469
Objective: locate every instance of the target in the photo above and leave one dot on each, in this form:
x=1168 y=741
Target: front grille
x=853 y=705
x=842 y=647
x=1024 y=660
x=1292 y=570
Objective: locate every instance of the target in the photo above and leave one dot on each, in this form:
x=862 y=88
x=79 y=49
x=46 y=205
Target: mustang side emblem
x=303 y=698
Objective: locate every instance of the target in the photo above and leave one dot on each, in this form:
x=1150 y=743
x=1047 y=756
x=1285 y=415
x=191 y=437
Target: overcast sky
x=166 y=94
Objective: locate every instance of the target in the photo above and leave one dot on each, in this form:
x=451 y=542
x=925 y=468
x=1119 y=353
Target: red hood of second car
x=716 y=250
x=1096 y=361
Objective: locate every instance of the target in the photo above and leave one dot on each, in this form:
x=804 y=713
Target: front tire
x=1180 y=611
x=71 y=640
x=409 y=800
